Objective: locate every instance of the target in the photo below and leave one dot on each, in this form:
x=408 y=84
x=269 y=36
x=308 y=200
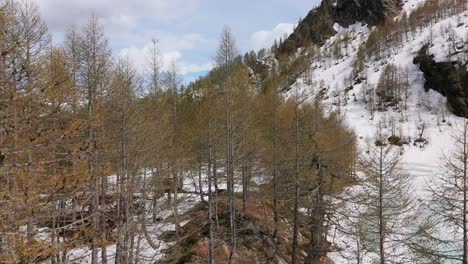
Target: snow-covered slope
x=425 y=110
x=423 y=107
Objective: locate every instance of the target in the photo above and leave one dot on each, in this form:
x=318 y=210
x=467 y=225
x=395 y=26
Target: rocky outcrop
x=448 y=78
x=255 y=237
x=372 y=12
x=317 y=26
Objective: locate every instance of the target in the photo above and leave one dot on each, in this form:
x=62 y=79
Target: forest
x=241 y=166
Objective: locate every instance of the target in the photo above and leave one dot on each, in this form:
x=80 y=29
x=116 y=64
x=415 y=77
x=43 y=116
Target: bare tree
x=444 y=234
x=154 y=66
x=172 y=83
x=225 y=56
x=95 y=56
x=388 y=202
x=297 y=102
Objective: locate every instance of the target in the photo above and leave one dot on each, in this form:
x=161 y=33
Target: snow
x=187 y=199
x=410 y=5
x=422 y=162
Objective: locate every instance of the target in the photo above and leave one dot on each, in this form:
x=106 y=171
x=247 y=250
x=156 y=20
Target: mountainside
x=429 y=61
x=317 y=26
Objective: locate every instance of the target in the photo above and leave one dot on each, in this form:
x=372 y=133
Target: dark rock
x=448 y=78
x=317 y=26
x=372 y=12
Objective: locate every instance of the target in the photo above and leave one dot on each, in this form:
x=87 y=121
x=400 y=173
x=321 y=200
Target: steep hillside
x=426 y=45
x=317 y=26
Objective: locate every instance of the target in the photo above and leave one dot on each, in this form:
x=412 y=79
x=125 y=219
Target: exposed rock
x=372 y=12
x=448 y=78
x=317 y=26
x=255 y=243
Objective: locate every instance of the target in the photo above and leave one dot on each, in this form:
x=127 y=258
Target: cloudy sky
x=187 y=30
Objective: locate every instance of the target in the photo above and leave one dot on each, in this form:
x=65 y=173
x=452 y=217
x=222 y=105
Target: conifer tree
x=225 y=59
x=386 y=195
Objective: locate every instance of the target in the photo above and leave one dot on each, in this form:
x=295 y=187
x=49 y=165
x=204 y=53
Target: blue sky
x=187 y=30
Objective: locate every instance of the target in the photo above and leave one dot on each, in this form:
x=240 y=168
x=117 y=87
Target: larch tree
x=172 y=84
x=268 y=107
x=244 y=132
x=94 y=62
x=298 y=100
x=153 y=68
x=225 y=58
x=28 y=34
x=443 y=236
x=386 y=195
x=120 y=129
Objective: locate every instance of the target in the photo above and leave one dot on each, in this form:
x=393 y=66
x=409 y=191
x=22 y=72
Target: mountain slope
x=317 y=26
x=349 y=67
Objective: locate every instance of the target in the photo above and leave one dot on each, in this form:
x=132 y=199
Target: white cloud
x=116 y=14
x=129 y=27
x=140 y=59
x=265 y=38
x=195 y=68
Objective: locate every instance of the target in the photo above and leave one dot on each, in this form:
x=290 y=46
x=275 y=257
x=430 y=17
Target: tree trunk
x=317 y=229
x=296 y=186
x=465 y=190
x=211 y=259
x=200 y=182
x=381 y=217
x=215 y=183
x=275 y=189
x=103 y=223
x=244 y=189
x=230 y=169
x=154 y=205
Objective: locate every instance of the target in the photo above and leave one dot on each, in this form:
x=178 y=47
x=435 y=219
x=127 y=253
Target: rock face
x=372 y=12
x=317 y=26
x=448 y=78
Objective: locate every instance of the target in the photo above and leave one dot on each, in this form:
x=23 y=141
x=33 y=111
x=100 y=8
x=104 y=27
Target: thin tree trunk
x=296 y=187
x=132 y=246
x=275 y=188
x=54 y=241
x=118 y=250
x=211 y=259
x=317 y=228
x=244 y=189
x=465 y=164
x=94 y=180
x=200 y=182
x=230 y=169
x=103 y=224
x=175 y=169
x=215 y=172
x=154 y=205
x=381 y=220
x=215 y=183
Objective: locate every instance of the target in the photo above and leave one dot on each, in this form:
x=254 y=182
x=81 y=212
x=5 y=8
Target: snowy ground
x=187 y=200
